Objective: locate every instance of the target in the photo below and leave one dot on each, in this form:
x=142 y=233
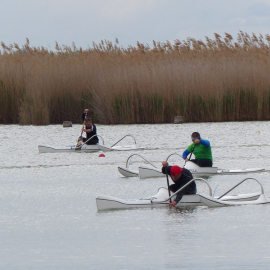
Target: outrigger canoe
x=72 y=148
x=149 y=170
x=91 y=148
x=162 y=199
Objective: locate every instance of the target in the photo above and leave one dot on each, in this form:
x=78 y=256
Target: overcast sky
x=44 y=22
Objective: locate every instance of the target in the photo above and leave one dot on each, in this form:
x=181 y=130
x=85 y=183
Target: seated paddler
x=180 y=177
x=90 y=129
x=201 y=149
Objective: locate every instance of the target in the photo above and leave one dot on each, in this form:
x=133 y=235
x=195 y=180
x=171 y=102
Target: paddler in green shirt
x=201 y=150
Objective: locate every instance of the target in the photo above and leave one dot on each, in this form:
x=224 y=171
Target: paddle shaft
x=192 y=152
x=85 y=115
x=168 y=185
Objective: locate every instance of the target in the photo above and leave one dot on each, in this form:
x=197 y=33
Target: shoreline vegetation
x=204 y=81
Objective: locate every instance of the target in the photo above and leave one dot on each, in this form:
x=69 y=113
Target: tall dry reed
x=213 y=80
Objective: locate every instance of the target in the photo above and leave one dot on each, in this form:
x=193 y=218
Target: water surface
x=49 y=218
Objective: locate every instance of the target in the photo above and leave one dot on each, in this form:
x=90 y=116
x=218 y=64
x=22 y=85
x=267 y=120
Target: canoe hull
x=149 y=172
x=146 y=171
x=111 y=203
x=72 y=148
x=160 y=199
x=208 y=171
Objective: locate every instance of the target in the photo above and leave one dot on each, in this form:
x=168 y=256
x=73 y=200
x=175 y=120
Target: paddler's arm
x=185 y=155
x=88 y=130
x=205 y=142
x=84 y=114
x=177 y=200
x=178 y=196
x=165 y=168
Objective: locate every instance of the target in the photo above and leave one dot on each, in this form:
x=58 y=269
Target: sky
x=45 y=22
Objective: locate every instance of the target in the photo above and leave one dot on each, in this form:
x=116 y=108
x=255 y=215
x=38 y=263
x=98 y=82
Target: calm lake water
x=48 y=211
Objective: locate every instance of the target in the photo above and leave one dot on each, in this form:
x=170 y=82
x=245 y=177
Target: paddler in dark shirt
x=90 y=129
x=180 y=177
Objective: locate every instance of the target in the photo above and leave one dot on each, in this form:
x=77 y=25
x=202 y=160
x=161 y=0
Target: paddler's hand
x=197 y=141
x=173 y=204
x=165 y=163
x=186 y=159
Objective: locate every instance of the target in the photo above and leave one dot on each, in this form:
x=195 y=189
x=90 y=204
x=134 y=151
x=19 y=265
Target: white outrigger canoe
x=162 y=198
x=72 y=148
x=91 y=148
x=149 y=170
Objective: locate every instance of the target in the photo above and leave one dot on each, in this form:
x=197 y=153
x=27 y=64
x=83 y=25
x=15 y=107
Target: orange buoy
x=101 y=155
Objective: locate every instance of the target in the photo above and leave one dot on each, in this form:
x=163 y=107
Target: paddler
x=90 y=129
x=180 y=177
x=201 y=149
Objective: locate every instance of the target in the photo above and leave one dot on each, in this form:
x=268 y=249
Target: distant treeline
x=214 y=80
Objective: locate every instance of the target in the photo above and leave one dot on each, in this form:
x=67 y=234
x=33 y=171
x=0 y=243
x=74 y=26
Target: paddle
x=85 y=115
x=168 y=185
x=192 y=152
x=80 y=146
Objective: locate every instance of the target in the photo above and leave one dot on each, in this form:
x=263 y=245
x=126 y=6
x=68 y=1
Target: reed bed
x=213 y=80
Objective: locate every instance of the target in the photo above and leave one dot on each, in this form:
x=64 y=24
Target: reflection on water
x=48 y=212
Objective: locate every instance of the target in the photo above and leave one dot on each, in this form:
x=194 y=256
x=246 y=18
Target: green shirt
x=201 y=151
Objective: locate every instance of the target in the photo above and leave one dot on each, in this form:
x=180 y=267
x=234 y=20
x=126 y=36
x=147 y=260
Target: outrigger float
x=162 y=198
x=149 y=170
x=220 y=201
x=92 y=148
